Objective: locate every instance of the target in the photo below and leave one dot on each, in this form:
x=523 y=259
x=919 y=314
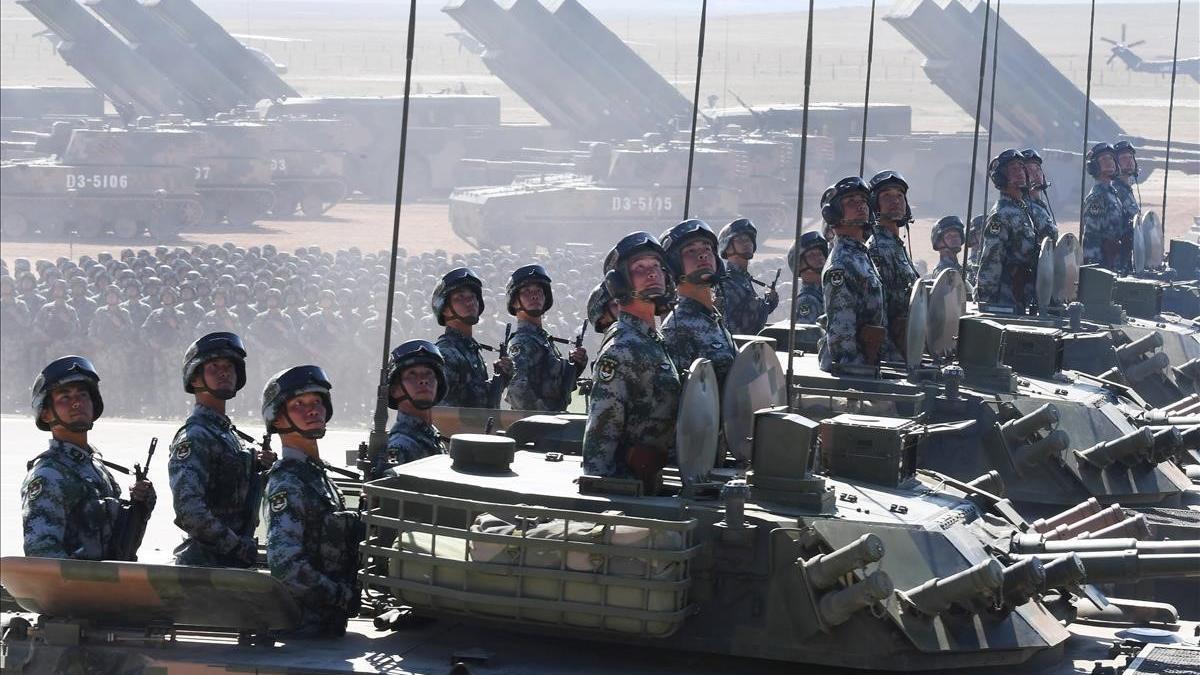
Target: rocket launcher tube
x=990 y=482
x=1022 y=580
x=1168 y=441
x=937 y=595
x=1076 y=513
x=1030 y=455
x=1133 y=526
x=823 y=571
x=1023 y=427
x=1025 y=544
x=1127 y=449
x=1153 y=365
x=837 y=607
x=1065 y=571
x=1128 y=354
x=1097 y=521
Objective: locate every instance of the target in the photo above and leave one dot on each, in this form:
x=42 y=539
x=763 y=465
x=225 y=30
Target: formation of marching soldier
x=662 y=302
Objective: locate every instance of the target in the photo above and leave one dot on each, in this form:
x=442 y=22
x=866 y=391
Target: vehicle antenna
x=862 y=151
x=1087 y=111
x=687 y=191
x=987 y=183
x=378 y=437
x=1170 y=116
x=987 y=15
x=808 y=48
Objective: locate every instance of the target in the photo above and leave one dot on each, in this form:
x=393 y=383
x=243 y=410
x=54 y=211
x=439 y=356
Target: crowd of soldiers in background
x=133 y=313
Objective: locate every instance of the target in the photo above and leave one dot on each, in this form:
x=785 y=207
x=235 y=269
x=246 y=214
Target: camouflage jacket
x=950 y=263
x=692 y=331
x=1129 y=201
x=466 y=374
x=85 y=308
x=70 y=504
x=810 y=303
x=853 y=295
x=138 y=310
x=321 y=331
x=165 y=328
x=1043 y=220
x=745 y=313
x=33 y=300
x=1010 y=250
x=15 y=314
x=409 y=439
x=896 y=272
x=1104 y=224
x=210 y=476
x=542 y=378
x=634 y=400
x=57 y=322
x=312 y=541
x=219 y=320
x=112 y=326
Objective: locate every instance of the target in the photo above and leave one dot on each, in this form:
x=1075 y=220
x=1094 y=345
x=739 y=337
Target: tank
x=614 y=189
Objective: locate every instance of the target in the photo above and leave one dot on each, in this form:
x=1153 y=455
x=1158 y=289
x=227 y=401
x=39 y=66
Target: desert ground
x=755 y=50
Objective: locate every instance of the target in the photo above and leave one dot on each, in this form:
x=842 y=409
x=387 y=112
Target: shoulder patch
x=606 y=368
x=35 y=488
x=514 y=349
x=805 y=309
x=994 y=226
x=877 y=259
x=837 y=277
x=183 y=450
x=278 y=501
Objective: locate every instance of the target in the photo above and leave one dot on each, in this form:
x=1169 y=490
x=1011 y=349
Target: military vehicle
x=1124 y=51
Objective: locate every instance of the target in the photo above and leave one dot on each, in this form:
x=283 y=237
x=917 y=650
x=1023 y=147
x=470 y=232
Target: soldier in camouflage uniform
x=1107 y=231
x=814 y=251
x=855 y=318
x=457 y=304
x=1038 y=201
x=14 y=345
x=215 y=481
x=416 y=383
x=1123 y=182
x=695 y=329
x=889 y=201
x=1010 y=241
x=946 y=237
x=635 y=398
x=55 y=324
x=745 y=312
x=312 y=539
x=602 y=310
x=542 y=379
x=70 y=504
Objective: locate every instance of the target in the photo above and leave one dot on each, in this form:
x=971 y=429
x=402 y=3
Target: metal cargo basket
x=599 y=571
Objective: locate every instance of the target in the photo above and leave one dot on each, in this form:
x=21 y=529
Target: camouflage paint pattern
x=1010 y=245
x=853 y=295
x=692 y=331
x=542 y=378
x=69 y=504
x=745 y=313
x=466 y=374
x=1104 y=220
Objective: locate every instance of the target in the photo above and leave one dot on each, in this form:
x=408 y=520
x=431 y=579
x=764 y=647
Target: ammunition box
x=879 y=450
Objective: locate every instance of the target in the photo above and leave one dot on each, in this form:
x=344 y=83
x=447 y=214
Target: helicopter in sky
x=1121 y=50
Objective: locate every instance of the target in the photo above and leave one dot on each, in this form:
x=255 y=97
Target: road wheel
x=125 y=227
x=88 y=228
x=15 y=225
x=52 y=228
x=312 y=205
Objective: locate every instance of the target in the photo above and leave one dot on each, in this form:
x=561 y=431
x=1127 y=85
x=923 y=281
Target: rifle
x=763 y=284
x=257 y=485
x=569 y=379
x=498 y=381
x=131 y=525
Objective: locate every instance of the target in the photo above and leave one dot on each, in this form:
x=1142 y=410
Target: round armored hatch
x=482 y=451
x=755 y=381
x=1139 y=246
x=1045 y=273
x=947 y=300
x=698 y=423
x=1152 y=235
x=1066 y=267
x=917 y=328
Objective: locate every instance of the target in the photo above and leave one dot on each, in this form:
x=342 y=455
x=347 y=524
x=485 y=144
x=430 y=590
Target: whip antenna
x=1087 y=113
x=1170 y=115
x=687 y=191
x=987 y=15
x=862 y=151
x=808 y=44
x=987 y=183
x=378 y=438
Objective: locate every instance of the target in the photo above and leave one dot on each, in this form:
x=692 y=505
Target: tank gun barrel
x=1127 y=449
x=1131 y=565
x=1023 y=427
x=823 y=571
x=937 y=595
x=837 y=607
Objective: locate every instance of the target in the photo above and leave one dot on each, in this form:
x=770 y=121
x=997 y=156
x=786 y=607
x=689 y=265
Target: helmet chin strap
x=469 y=320
x=223 y=394
x=531 y=312
x=73 y=427
x=419 y=405
x=700 y=277
x=312 y=434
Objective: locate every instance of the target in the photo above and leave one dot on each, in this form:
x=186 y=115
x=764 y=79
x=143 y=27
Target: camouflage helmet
x=597 y=306
x=414 y=353
x=459 y=277
x=523 y=276
x=809 y=240
x=944 y=225
x=63 y=371
x=219 y=345
x=287 y=385
x=733 y=229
